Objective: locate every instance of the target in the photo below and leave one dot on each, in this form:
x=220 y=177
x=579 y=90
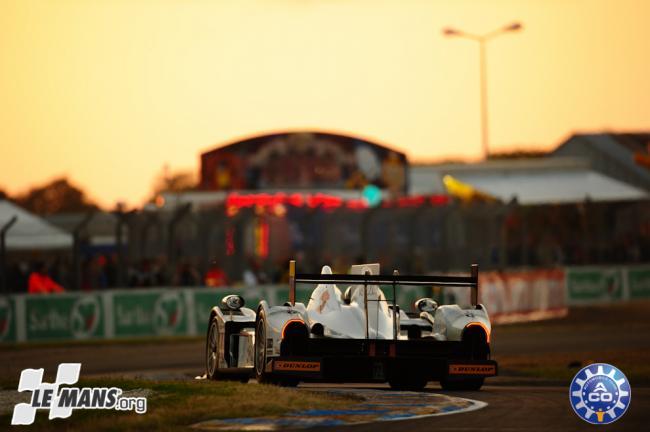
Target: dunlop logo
x=472 y=370
x=302 y=366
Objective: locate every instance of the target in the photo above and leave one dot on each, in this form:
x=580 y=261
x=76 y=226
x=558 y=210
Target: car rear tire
x=475 y=346
x=212 y=350
x=461 y=384
x=407 y=384
x=404 y=379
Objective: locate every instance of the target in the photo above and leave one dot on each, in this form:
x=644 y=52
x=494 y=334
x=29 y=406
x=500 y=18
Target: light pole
x=482 y=39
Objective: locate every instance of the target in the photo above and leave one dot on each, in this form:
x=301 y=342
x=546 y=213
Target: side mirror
x=233 y=302
x=426 y=305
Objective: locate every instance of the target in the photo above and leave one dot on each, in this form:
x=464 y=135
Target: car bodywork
x=354 y=336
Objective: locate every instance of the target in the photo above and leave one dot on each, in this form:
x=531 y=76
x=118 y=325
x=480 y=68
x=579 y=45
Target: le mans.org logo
x=61 y=401
x=600 y=393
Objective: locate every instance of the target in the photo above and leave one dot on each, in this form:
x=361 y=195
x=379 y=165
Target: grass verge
x=562 y=367
x=16 y=346
x=176 y=405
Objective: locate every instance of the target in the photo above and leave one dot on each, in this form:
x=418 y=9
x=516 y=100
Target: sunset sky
x=109 y=91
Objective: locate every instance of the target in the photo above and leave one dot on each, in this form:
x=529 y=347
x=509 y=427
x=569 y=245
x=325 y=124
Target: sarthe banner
x=606 y=284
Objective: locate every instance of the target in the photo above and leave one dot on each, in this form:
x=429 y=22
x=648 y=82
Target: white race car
x=355 y=336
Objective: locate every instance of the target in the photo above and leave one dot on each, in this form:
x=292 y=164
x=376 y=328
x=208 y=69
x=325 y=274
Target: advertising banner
x=206 y=298
x=150 y=313
x=204 y=301
x=523 y=295
x=509 y=296
x=63 y=316
x=638 y=280
x=590 y=285
x=515 y=296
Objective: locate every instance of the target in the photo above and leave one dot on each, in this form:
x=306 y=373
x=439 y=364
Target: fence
x=412 y=239
x=178 y=248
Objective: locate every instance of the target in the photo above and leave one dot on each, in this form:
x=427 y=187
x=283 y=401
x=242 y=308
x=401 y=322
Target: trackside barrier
x=593 y=285
x=510 y=296
x=517 y=296
x=133 y=312
x=525 y=295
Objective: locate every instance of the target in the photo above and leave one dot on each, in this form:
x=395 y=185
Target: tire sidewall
x=260 y=323
x=215 y=374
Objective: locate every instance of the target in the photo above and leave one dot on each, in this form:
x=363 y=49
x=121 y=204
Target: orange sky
x=107 y=92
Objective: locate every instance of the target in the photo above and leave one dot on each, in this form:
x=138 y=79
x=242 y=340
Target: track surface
x=615 y=329
x=587 y=329
x=518 y=409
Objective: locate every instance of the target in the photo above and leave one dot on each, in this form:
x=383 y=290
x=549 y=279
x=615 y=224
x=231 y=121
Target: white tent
x=31 y=232
x=531 y=181
x=553 y=187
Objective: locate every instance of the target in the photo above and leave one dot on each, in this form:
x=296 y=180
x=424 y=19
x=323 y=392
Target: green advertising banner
x=407 y=296
x=150 y=313
x=592 y=285
x=281 y=294
x=138 y=312
x=204 y=301
x=63 y=316
x=638 y=280
x=7 y=319
x=206 y=298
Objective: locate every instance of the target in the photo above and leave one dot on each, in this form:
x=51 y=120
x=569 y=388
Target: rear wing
x=395 y=279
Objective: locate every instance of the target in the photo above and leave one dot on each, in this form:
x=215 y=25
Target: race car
x=357 y=335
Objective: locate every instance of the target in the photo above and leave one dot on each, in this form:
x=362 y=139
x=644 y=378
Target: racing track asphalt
x=516 y=408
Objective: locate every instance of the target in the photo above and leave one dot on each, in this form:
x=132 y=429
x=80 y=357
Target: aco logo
x=600 y=393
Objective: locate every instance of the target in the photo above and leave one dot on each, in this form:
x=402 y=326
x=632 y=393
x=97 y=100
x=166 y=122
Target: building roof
x=530 y=181
x=304 y=134
x=612 y=154
x=30 y=231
